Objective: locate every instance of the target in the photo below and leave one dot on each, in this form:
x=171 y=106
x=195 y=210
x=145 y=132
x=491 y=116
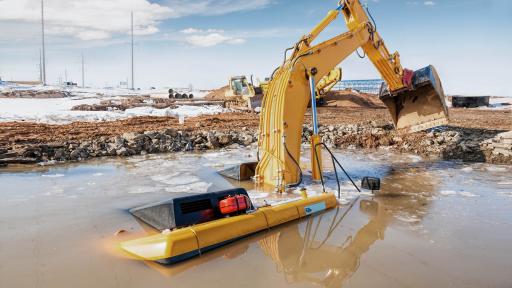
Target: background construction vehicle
x=326 y=84
x=244 y=94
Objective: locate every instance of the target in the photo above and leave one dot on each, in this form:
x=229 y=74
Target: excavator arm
x=289 y=93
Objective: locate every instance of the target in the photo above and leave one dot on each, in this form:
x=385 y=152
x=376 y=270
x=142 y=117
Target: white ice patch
x=495 y=169
x=467 y=169
x=407 y=218
x=144 y=189
x=505 y=183
x=165 y=177
x=506 y=194
x=415 y=158
x=52 y=175
x=447 y=192
x=97 y=174
x=468 y=194
x=175 y=180
x=197 y=187
x=258 y=195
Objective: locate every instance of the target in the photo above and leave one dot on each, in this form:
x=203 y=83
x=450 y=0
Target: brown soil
x=217 y=94
x=351 y=99
x=21 y=132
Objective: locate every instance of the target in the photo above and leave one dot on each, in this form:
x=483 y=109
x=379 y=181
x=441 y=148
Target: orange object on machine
x=233 y=204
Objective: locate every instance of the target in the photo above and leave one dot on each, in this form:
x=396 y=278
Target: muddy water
x=434 y=224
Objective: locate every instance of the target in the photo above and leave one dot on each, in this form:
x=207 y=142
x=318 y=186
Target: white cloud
x=190 y=31
x=429 y=3
x=209 y=37
x=194 y=31
x=88 y=20
x=207 y=40
x=102 y=19
x=212 y=39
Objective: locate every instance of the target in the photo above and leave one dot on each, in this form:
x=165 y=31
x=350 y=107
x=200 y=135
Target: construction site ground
x=36 y=133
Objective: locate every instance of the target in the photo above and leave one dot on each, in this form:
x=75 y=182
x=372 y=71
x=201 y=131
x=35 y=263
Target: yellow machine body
x=183 y=243
x=285 y=103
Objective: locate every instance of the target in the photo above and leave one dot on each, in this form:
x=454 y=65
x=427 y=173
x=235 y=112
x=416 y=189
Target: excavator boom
x=415 y=100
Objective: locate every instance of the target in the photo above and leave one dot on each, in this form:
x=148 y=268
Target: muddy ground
x=35 y=133
x=473 y=135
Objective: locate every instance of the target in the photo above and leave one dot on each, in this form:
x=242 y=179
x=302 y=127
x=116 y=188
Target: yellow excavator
x=415 y=99
x=197 y=223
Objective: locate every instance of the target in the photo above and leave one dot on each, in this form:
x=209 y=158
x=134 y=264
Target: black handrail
x=334 y=162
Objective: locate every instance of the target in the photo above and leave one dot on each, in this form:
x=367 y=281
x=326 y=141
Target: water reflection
x=312 y=256
x=326 y=249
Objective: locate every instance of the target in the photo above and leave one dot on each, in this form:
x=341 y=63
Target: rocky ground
x=126 y=103
x=34 y=94
x=473 y=135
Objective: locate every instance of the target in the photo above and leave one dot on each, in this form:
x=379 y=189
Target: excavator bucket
x=421 y=107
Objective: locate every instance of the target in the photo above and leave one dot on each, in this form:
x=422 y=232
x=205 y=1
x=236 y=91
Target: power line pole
x=40 y=66
x=133 y=80
x=83 y=73
x=43 y=64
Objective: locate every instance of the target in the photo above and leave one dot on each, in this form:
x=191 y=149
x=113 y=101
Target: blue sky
x=203 y=42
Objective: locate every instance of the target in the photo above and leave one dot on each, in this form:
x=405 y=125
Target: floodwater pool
x=433 y=224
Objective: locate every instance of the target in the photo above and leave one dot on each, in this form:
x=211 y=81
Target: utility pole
x=83 y=73
x=133 y=81
x=43 y=64
x=40 y=66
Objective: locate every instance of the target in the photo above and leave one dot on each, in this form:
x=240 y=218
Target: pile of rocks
x=34 y=94
x=443 y=143
x=499 y=148
x=127 y=144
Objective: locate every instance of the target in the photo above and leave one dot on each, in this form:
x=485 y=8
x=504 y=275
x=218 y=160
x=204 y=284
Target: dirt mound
x=217 y=94
x=353 y=99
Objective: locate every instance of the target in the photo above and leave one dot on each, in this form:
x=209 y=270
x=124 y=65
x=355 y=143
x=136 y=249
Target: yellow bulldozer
x=242 y=93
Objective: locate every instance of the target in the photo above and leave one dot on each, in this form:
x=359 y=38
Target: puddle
x=433 y=224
